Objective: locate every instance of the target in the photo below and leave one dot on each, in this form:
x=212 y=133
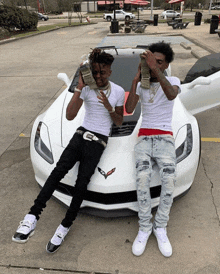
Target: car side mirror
x=64 y=78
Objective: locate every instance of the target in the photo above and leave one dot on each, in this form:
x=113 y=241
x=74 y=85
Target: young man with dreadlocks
x=155 y=145
x=103 y=106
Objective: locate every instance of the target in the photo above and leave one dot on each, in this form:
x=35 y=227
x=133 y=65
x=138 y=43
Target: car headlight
x=186 y=146
x=42 y=143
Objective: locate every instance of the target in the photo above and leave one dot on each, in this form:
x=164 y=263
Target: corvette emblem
x=106 y=174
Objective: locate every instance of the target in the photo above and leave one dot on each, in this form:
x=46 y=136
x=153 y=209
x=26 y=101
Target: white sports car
x=112 y=190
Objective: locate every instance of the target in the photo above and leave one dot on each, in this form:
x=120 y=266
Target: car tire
x=109 y=19
x=42 y=19
x=127 y=18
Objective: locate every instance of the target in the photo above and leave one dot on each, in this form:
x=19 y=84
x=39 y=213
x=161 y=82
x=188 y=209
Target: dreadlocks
x=101 y=57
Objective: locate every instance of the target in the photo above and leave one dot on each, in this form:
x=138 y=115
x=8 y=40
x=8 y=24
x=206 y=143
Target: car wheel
x=42 y=19
x=127 y=18
x=109 y=18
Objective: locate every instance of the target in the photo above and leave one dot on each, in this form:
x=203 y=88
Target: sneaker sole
x=53 y=251
x=22 y=241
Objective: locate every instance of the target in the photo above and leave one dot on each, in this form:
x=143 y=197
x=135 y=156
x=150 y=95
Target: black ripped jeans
x=88 y=153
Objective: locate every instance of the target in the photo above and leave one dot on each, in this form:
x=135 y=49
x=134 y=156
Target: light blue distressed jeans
x=159 y=149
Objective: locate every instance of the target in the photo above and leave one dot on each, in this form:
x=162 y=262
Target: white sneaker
x=57 y=239
x=140 y=242
x=163 y=241
x=25 y=229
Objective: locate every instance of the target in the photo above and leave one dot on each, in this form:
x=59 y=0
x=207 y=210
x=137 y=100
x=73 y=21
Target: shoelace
x=162 y=235
x=58 y=238
x=142 y=237
x=60 y=235
x=26 y=223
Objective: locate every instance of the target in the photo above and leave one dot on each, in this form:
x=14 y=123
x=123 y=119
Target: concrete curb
x=198 y=43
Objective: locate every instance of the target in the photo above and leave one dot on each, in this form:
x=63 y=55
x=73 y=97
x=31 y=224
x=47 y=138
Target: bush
x=56 y=12
x=4 y=33
x=12 y=18
x=207 y=21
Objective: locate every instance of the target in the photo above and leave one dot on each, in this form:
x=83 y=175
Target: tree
x=71 y=6
x=194 y=4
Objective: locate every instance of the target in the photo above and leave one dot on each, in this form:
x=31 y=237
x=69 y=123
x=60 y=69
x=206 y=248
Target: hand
x=104 y=100
x=150 y=59
x=80 y=84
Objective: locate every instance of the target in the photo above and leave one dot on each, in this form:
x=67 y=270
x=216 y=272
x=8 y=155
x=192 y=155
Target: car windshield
x=124 y=69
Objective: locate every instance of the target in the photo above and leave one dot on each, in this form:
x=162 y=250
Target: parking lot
x=29 y=85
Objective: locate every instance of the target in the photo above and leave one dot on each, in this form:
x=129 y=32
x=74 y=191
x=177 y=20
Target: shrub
x=56 y=12
x=12 y=18
x=4 y=33
x=207 y=21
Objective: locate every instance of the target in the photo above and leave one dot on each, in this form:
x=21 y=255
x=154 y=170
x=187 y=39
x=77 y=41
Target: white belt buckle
x=89 y=136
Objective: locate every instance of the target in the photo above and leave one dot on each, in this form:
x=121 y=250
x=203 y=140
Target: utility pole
x=25 y=3
x=38 y=5
x=44 y=6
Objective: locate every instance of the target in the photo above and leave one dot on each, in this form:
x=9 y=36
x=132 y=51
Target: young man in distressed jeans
x=155 y=144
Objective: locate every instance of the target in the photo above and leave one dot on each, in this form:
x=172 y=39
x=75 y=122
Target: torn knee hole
x=169 y=170
x=167 y=198
x=142 y=165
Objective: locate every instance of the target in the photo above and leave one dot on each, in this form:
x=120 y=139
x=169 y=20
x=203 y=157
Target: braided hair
x=101 y=57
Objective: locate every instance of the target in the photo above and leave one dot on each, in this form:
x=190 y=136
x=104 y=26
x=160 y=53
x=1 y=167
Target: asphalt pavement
x=98 y=245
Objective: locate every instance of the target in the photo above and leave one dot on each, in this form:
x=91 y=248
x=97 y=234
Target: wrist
x=136 y=80
x=78 y=89
x=111 y=110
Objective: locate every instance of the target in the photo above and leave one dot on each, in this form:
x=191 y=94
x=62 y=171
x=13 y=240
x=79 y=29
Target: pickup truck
x=119 y=15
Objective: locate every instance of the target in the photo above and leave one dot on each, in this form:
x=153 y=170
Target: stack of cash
x=87 y=76
x=145 y=74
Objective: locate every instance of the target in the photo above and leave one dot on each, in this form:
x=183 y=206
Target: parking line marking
x=215 y=140
x=92 y=32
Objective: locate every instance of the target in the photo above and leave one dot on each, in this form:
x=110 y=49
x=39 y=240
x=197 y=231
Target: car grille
x=109 y=198
x=128 y=125
x=126 y=129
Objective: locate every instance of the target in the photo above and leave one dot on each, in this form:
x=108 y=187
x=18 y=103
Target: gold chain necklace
x=107 y=88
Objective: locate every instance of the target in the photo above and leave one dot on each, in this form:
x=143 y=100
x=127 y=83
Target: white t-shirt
x=97 y=117
x=157 y=115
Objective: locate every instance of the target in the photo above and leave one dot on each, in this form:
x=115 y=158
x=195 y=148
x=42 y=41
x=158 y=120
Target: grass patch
x=19 y=34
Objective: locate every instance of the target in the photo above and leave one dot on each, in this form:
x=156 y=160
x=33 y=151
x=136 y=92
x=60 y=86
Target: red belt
x=151 y=131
